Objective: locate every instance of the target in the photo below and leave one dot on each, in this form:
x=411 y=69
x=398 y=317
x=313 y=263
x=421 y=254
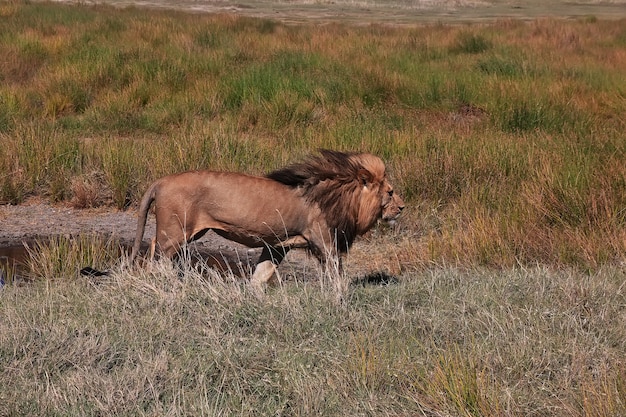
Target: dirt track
x=32 y=221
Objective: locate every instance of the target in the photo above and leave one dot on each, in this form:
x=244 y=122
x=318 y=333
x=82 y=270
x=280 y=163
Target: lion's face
x=392 y=204
x=378 y=201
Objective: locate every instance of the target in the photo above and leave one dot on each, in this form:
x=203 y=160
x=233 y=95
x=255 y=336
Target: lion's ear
x=365 y=177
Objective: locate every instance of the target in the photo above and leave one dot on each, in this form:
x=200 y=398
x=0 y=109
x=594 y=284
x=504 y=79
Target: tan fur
x=321 y=204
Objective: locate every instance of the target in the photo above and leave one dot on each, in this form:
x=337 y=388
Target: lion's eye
x=390 y=193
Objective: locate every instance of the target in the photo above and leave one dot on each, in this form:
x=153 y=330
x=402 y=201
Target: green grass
x=511 y=131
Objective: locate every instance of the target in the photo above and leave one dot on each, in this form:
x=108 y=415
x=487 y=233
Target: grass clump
x=506 y=140
x=61 y=257
x=469 y=43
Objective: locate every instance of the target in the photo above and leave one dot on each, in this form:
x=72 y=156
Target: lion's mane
x=333 y=180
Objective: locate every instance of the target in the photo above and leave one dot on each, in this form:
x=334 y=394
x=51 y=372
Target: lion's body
x=254 y=211
x=321 y=204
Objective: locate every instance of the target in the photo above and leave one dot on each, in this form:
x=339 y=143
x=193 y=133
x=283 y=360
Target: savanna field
x=502 y=292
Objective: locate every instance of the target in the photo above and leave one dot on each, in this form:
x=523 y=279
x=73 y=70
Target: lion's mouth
x=391 y=219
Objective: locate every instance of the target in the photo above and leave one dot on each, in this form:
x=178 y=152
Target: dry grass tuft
x=89 y=190
x=62 y=257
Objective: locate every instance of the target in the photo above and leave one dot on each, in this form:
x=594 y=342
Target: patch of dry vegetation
x=442 y=342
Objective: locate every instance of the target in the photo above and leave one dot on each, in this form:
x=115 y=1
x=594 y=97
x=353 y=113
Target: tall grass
x=506 y=140
x=62 y=257
x=506 y=137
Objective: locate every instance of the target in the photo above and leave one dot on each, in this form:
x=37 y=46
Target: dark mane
x=333 y=181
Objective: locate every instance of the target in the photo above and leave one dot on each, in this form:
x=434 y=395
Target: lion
x=321 y=204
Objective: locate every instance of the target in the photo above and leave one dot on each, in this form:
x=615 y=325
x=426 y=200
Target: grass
x=62 y=257
x=503 y=287
x=510 y=131
x=437 y=342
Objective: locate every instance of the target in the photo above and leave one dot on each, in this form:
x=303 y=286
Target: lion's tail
x=146 y=202
x=142 y=218
x=92 y=273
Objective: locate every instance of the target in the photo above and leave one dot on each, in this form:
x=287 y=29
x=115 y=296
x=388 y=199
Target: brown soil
x=38 y=220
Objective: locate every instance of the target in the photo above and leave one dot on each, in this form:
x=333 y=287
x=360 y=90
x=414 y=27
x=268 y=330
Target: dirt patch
x=37 y=220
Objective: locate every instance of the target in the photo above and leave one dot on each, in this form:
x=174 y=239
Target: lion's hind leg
x=263 y=272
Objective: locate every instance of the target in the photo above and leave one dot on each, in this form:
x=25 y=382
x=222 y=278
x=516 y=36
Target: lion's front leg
x=323 y=245
x=266 y=266
x=333 y=274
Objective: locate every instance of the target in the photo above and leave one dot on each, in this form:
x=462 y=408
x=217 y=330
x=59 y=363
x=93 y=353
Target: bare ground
x=37 y=220
x=388 y=12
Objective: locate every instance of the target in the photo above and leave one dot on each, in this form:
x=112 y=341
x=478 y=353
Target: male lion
x=321 y=204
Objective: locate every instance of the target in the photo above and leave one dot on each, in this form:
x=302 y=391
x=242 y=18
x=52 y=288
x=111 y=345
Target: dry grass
x=62 y=257
x=438 y=342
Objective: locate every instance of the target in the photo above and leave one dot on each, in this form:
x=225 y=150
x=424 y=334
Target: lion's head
x=351 y=189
